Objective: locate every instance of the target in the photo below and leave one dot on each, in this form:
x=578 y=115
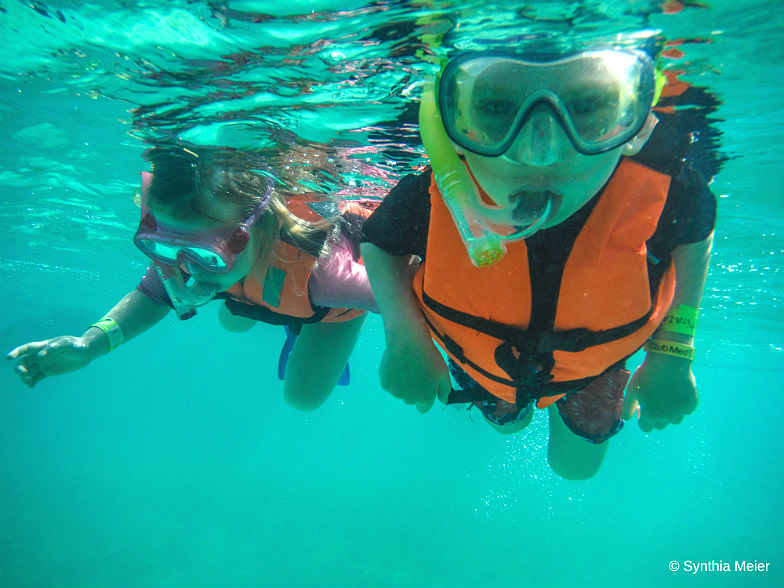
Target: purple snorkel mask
x=175 y=253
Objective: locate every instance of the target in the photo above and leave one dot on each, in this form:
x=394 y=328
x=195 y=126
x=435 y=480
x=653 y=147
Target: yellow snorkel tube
x=484 y=246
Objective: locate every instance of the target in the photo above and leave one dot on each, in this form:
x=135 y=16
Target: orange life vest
x=282 y=286
x=605 y=309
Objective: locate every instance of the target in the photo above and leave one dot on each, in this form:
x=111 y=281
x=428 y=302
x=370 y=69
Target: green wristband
x=681 y=320
x=112 y=331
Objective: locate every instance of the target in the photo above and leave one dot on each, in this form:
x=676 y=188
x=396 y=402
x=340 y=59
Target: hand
x=35 y=361
x=661 y=391
x=415 y=372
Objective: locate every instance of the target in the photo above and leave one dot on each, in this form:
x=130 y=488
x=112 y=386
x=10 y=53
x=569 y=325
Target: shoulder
x=414 y=184
x=692 y=202
x=410 y=197
x=688 y=185
x=689 y=214
x=400 y=223
x=411 y=190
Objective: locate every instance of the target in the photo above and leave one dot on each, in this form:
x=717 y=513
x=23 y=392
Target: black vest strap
x=527 y=342
x=520 y=351
x=532 y=384
x=265 y=315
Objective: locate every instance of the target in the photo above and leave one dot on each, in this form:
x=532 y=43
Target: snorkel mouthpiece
x=184 y=297
x=484 y=246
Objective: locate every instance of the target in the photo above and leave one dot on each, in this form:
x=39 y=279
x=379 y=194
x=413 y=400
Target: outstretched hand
x=662 y=391
x=38 y=360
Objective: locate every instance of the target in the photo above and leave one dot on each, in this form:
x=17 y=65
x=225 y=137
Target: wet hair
x=181 y=176
x=174 y=178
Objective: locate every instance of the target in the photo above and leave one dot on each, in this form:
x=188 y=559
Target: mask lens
x=174 y=253
x=601 y=98
x=494 y=104
x=206 y=258
x=477 y=111
x=162 y=251
x=604 y=96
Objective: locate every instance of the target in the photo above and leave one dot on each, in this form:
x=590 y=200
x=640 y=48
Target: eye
x=587 y=103
x=238 y=240
x=584 y=105
x=496 y=107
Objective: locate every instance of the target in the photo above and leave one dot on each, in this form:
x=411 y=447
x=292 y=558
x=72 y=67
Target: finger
x=631 y=407
x=386 y=384
x=692 y=407
x=27 y=374
x=631 y=403
x=425 y=406
x=646 y=422
x=649 y=423
x=26 y=363
x=27 y=349
x=397 y=393
x=444 y=388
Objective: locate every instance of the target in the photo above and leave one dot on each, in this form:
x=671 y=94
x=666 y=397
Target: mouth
x=534 y=206
x=526 y=213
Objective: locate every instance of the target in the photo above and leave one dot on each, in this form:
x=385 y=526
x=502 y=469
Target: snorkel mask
x=175 y=254
x=601 y=99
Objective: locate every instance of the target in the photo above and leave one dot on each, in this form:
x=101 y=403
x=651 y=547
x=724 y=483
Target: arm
x=412 y=369
x=135 y=313
x=663 y=388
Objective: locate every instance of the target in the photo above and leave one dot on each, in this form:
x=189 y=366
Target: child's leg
x=582 y=422
x=317 y=361
x=569 y=455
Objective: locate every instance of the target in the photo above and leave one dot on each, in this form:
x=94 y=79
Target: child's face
x=543 y=137
x=540 y=165
x=206 y=216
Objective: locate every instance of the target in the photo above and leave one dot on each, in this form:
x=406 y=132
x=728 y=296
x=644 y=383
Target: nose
x=542 y=140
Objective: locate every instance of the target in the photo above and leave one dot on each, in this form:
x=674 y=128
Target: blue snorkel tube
x=484 y=246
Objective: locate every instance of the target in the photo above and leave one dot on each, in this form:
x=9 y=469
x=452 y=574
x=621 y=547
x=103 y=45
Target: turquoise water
x=175 y=462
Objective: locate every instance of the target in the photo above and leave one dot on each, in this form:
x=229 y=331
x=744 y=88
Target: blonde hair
x=239 y=177
x=244 y=179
